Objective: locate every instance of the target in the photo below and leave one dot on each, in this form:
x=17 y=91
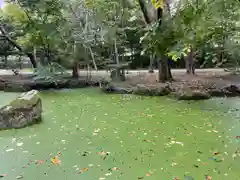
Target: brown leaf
x=83 y=170
x=39 y=161
x=208 y=177
x=115 y=169
x=147 y=174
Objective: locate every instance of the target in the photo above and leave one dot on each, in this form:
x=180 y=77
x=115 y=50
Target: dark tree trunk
x=164 y=70
x=11 y=41
x=75 y=73
x=189 y=62
x=5 y=60
x=151 y=66
x=32 y=59
x=143 y=6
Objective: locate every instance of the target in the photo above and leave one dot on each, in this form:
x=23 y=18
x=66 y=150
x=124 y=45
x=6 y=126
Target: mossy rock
x=23 y=111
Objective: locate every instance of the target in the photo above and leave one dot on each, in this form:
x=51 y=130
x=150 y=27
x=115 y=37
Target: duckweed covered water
x=98 y=136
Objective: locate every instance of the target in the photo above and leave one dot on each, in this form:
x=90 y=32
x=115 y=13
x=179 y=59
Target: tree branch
x=11 y=41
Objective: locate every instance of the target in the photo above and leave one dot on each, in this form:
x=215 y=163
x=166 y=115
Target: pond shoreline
x=182 y=88
x=179 y=91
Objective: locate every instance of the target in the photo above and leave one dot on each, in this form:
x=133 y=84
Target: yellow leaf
x=55 y=160
x=158 y=3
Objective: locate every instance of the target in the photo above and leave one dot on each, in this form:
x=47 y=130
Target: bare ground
x=201 y=78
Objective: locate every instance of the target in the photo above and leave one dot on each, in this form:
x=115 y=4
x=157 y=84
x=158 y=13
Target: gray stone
x=21 y=112
x=152 y=90
x=191 y=94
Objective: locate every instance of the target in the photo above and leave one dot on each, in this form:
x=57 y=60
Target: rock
x=114 y=88
x=21 y=112
x=152 y=90
x=15 y=87
x=228 y=91
x=141 y=89
x=41 y=84
x=233 y=90
x=217 y=93
x=191 y=94
x=2 y=84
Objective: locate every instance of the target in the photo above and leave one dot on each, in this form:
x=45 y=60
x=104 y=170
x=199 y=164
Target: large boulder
x=21 y=112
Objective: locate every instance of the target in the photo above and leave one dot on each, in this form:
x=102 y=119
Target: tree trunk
x=143 y=6
x=5 y=60
x=151 y=69
x=116 y=51
x=75 y=73
x=189 y=62
x=32 y=59
x=35 y=53
x=11 y=41
x=164 y=70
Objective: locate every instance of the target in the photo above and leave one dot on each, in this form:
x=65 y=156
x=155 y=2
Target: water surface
x=100 y=136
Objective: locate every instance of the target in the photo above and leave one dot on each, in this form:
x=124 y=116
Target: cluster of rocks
x=29 y=84
x=22 y=111
x=182 y=92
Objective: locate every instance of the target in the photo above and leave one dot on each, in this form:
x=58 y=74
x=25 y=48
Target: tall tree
x=163 y=65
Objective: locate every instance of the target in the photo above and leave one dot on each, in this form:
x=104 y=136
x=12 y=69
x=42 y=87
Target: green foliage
x=196 y=23
x=85 y=30
x=51 y=72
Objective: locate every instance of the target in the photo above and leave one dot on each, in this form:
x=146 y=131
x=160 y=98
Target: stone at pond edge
x=231 y=90
x=29 y=84
x=152 y=90
x=140 y=89
x=191 y=94
x=21 y=112
x=108 y=87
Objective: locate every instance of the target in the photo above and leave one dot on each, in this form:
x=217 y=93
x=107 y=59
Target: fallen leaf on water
x=216 y=153
x=173 y=164
x=146 y=140
x=39 y=161
x=2 y=175
x=9 y=150
x=102 y=153
x=115 y=169
x=108 y=174
x=19 y=144
x=55 y=160
x=176 y=178
x=19 y=177
x=83 y=170
x=208 y=177
x=176 y=142
x=147 y=174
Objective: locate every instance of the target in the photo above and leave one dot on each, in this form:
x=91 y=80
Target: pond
x=99 y=136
